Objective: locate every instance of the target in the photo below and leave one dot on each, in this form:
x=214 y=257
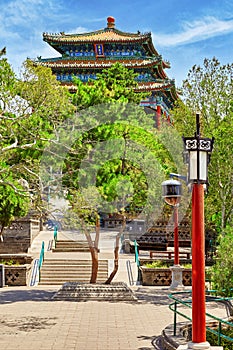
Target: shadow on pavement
x=12 y=296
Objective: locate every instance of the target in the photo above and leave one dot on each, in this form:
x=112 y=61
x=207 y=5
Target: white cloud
x=78 y=30
x=195 y=31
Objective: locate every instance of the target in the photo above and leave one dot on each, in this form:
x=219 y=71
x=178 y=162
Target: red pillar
x=176 y=236
x=198 y=266
x=158 y=116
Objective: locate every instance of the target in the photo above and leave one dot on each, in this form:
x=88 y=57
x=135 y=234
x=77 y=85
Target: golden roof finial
x=111 y=22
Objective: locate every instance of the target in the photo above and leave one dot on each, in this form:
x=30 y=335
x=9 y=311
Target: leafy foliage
x=14 y=201
x=109 y=112
x=31 y=109
x=116 y=83
x=222 y=271
x=225 y=343
x=208 y=90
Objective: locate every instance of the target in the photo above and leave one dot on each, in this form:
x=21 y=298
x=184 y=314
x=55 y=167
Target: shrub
x=222 y=271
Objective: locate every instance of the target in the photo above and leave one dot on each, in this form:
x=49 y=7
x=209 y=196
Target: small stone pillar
x=177 y=278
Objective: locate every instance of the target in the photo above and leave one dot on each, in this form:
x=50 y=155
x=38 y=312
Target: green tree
x=32 y=107
x=208 y=90
x=108 y=111
x=116 y=83
x=14 y=200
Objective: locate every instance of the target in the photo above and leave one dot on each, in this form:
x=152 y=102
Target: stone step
x=71 y=267
x=72 y=278
x=55 y=282
x=71 y=246
x=76 y=274
x=65 y=262
x=69 y=249
x=64 y=242
x=74 y=291
x=70 y=273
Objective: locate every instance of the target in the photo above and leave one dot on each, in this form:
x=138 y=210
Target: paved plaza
x=31 y=320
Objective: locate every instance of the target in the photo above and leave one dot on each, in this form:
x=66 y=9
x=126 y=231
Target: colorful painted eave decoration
x=66 y=63
x=149 y=86
x=155 y=86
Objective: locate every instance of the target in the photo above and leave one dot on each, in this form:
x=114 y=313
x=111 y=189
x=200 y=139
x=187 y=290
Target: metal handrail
x=137 y=260
x=41 y=259
x=136 y=253
x=129 y=271
x=55 y=235
x=34 y=272
x=187 y=303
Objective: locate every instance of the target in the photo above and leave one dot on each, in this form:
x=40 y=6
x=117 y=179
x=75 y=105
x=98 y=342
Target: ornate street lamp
x=171 y=192
x=197 y=151
x=197 y=155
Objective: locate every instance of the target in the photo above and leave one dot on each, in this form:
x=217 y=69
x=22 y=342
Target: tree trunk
x=94 y=257
x=1 y=233
x=4 y=224
x=95 y=264
x=115 y=269
x=94 y=253
x=94 y=249
x=116 y=254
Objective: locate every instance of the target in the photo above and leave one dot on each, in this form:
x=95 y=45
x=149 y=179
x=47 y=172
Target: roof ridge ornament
x=111 y=22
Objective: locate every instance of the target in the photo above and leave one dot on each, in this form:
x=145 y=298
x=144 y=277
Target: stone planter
x=163 y=276
x=17 y=275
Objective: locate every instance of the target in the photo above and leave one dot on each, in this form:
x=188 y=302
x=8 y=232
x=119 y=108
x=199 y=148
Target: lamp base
x=177 y=278
x=199 y=346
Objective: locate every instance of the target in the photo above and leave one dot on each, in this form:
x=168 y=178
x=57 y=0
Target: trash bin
x=2 y=276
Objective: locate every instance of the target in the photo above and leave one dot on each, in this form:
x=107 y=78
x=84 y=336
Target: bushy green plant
x=187 y=266
x=10 y=262
x=222 y=271
x=213 y=339
x=157 y=264
x=162 y=264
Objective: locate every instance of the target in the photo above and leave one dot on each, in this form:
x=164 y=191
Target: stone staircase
x=62 y=270
x=69 y=262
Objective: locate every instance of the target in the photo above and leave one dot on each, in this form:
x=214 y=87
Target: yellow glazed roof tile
x=98 y=36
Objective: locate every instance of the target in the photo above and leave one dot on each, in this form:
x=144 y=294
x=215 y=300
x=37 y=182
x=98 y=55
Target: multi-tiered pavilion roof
x=84 y=55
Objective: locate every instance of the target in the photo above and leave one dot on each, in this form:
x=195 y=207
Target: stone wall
x=17 y=275
x=18 y=237
x=163 y=276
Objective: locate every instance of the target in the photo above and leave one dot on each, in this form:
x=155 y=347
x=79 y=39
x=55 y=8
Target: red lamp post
x=197 y=151
x=176 y=237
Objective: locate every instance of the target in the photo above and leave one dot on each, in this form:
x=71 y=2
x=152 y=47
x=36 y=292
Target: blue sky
x=184 y=32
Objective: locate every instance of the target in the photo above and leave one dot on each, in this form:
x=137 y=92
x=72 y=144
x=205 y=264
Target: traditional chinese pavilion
x=86 y=54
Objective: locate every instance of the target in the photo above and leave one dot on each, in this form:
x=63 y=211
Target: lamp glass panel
x=203 y=165
x=193 y=165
